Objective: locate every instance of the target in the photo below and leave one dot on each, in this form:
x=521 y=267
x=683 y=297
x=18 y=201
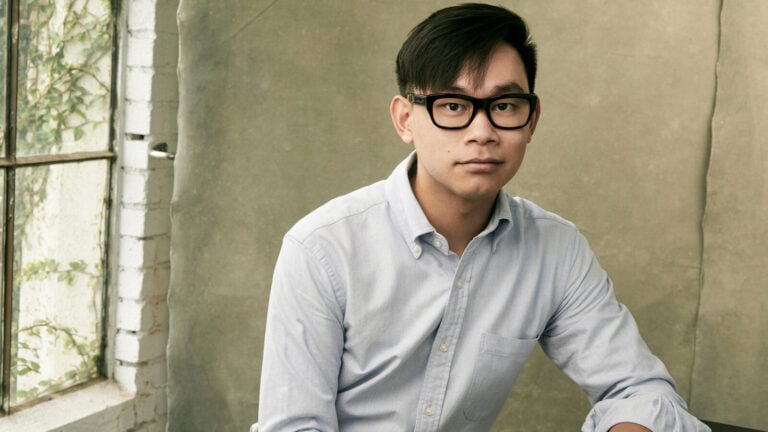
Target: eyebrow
x=511 y=87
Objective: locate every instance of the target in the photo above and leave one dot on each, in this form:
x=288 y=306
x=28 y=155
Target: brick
x=131 y=252
x=136 y=252
x=164 y=117
x=138 y=116
x=162 y=249
x=125 y=375
x=129 y=315
x=138 y=84
x=142 y=377
x=140 y=52
x=137 y=315
x=135 y=155
x=147 y=188
x=141 y=15
x=135 y=186
x=146 y=407
x=158 y=222
x=160 y=189
x=127 y=346
x=157 y=307
x=144 y=118
x=166 y=50
x=165 y=86
x=143 y=223
x=140 y=347
x=143 y=283
x=132 y=222
x=142 y=253
x=132 y=283
x=154 y=375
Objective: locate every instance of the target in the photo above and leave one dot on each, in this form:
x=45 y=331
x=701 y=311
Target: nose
x=481 y=130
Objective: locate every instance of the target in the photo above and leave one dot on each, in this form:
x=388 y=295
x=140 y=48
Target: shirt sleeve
x=656 y=411
x=595 y=341
x=302 y=346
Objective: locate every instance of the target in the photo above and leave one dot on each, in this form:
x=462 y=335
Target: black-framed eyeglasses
x=456 y=111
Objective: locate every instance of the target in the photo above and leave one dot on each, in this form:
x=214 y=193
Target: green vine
x=71 y=340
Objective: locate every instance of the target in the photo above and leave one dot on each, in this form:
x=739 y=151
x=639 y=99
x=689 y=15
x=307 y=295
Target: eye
x=452 y=106
x=506 y=106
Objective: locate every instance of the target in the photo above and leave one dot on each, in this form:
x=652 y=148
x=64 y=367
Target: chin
x=480 y=195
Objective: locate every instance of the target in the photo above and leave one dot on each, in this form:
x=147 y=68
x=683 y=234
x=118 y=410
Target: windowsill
x=101 y=406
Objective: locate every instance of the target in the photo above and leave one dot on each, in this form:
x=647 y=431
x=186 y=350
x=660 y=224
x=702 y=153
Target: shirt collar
x=412 y=221
x=501 y=220
x=409 y=216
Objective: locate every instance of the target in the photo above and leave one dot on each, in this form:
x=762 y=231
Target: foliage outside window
x=56 y=175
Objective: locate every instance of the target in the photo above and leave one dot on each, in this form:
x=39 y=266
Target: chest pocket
x=500 y=361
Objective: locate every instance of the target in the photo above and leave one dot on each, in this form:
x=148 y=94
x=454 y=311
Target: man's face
x=473 y=163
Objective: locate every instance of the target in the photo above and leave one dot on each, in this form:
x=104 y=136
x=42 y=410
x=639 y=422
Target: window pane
x=2 y=264
x=58 y=276
x=3 y=69
x=65 y=63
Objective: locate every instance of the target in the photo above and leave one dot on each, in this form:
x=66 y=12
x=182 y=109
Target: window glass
x=65 y=70
x=56 y=173
x=58 y=276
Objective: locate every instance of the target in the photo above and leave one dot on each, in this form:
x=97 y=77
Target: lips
x=480 y=164
x=481 y=161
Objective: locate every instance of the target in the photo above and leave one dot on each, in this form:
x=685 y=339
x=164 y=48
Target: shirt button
x=416 y=249
x=459 y=284
x=443 y=348
x=438 y=243
x=428 y=410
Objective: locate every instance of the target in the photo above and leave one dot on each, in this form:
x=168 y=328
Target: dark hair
x=436 y=50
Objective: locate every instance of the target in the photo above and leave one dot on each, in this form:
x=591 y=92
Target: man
x=412 y=304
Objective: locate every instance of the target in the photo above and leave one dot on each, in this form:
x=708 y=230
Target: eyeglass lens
x=509 y=112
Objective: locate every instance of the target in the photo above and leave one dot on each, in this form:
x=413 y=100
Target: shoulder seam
x=335 y=221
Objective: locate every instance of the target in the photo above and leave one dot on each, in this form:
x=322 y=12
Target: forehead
x=504 y=71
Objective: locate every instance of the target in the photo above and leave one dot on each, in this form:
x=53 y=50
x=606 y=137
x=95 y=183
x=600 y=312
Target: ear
x=400 y=111
x=536 y=115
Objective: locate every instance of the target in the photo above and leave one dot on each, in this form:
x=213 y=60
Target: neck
x=458 y=220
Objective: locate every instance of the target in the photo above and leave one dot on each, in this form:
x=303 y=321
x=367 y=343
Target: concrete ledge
x=99 y=407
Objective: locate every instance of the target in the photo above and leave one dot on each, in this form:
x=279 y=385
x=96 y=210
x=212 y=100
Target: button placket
x=441 y=358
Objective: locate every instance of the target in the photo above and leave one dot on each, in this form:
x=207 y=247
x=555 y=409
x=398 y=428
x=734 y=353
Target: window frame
x=10 y=162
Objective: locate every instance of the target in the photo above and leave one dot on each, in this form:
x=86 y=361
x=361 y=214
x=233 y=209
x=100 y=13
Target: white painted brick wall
x=150 y=104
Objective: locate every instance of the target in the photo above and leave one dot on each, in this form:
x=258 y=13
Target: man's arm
x=594 y=340
x=302 y=345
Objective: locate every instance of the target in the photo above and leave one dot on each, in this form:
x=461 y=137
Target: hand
x=629 y=427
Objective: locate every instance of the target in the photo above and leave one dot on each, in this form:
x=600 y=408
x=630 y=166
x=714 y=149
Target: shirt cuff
x=656 y=412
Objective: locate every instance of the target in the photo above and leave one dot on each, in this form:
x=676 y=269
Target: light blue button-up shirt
x=375 y=325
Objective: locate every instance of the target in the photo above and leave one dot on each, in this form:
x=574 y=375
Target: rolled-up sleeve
x=657 y=412
x=594 y=339
x=303 y=345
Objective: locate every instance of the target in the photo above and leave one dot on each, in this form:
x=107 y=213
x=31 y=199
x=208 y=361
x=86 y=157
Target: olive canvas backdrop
x=652 y=140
